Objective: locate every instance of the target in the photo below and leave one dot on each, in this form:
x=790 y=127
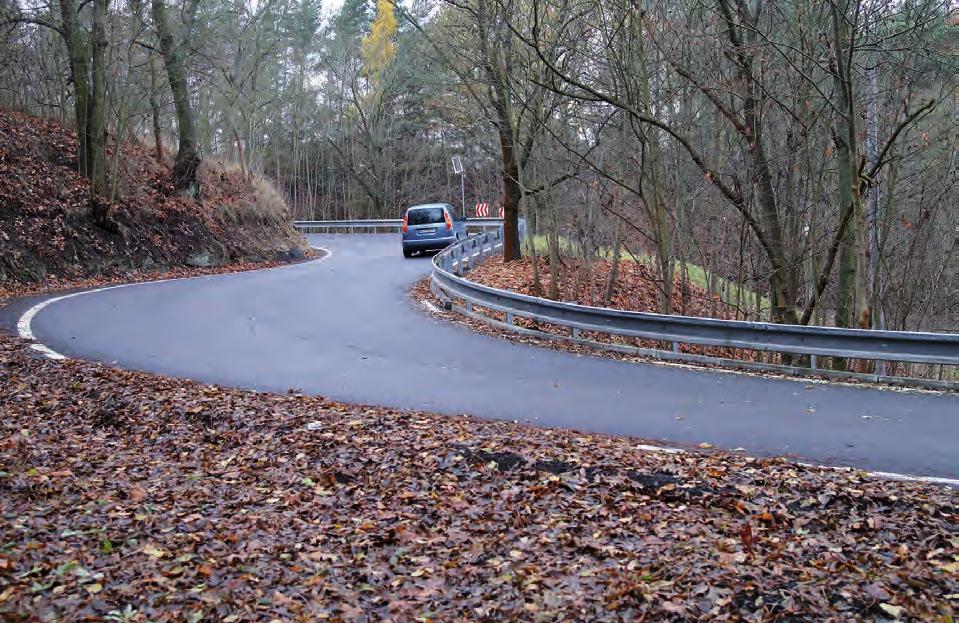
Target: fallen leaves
x=156 y=552
x=636 y=289
x=262 y=507
x=137 y=493
x=49 y=239
x=891 y=610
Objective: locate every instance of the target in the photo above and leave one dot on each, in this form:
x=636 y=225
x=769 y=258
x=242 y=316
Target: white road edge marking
x=429 y=306
x=667 y=450
x=25 y=322
x=935 y=480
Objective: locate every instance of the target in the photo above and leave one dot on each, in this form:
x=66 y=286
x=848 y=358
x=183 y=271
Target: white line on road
x=665 y=449
x=429 y=306
x=25 y=322
x=935 y=480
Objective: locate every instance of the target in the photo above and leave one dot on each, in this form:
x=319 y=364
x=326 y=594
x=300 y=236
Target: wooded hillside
x=47 y=230
x=802 y=153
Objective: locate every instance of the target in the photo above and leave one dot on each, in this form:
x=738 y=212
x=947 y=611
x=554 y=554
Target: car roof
x=427 y=205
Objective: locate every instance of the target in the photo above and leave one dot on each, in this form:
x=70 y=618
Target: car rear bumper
x=428 y=244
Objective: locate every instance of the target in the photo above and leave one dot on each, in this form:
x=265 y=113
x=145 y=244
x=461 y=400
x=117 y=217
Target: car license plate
x=427 y=232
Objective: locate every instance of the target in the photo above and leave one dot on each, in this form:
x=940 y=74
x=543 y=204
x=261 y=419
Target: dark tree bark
x=782 y=277
x=87 y=58
x=155 y=110
x=96 y=110
x=512 y=193
x=188 y=155
x=79 y=69
x=493 y=58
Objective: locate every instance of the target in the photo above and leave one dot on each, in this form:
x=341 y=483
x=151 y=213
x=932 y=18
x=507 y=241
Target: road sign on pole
x=458 y=168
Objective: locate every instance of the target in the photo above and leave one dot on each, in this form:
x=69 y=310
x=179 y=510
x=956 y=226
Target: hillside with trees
x=798 y=158
x=54 y=226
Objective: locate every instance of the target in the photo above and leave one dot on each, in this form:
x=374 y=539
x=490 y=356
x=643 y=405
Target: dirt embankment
x=48 y=233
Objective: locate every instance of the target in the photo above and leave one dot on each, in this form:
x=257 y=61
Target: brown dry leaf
x=137 y=493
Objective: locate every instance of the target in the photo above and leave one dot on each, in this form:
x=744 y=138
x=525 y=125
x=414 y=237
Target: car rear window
x=425 y=216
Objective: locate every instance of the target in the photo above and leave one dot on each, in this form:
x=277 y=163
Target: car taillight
x=405 y=221
x=449 y=223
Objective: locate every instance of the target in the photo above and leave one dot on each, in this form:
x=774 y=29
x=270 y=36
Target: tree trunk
x=96 y=111
x=155 y=110
x=614 y=264
x=79 y=68
x=744 y=40
x=654 y=200
x=872 y=142
x=187 y=156
x=241 y=156
x=493 y=63
x=552 y=245
x=512 y=193
x=88 y=72
x=534 y=214
x=851 y=297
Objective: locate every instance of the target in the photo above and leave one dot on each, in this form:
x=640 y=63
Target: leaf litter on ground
x=137 y=497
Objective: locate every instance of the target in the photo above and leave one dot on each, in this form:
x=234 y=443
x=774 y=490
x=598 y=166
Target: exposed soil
x=48 y=233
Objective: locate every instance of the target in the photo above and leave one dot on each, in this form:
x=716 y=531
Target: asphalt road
x=345 y=328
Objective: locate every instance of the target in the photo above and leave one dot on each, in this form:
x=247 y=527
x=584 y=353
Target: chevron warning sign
x=482 y=210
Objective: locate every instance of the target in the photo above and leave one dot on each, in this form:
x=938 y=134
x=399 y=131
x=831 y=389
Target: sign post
x=458 y=168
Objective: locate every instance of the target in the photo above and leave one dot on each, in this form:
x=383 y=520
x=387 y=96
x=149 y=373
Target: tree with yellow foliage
x=378 y=47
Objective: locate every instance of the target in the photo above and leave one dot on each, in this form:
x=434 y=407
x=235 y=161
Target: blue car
x=431 y=227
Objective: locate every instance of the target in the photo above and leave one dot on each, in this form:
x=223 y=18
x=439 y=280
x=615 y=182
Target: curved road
x=345 y=328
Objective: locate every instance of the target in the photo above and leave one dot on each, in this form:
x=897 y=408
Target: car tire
x=407 y=253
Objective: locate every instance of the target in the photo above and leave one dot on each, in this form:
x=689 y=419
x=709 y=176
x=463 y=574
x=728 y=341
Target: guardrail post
x=675 y=346
x=574 y=333
x=813 y=361
x=509 y=318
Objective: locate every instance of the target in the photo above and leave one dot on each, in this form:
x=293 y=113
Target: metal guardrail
x=451 y=264
x=381 y=223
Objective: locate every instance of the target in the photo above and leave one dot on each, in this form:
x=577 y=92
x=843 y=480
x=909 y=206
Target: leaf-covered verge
x=129 y=496
x=636 y=287
x=48 y=232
